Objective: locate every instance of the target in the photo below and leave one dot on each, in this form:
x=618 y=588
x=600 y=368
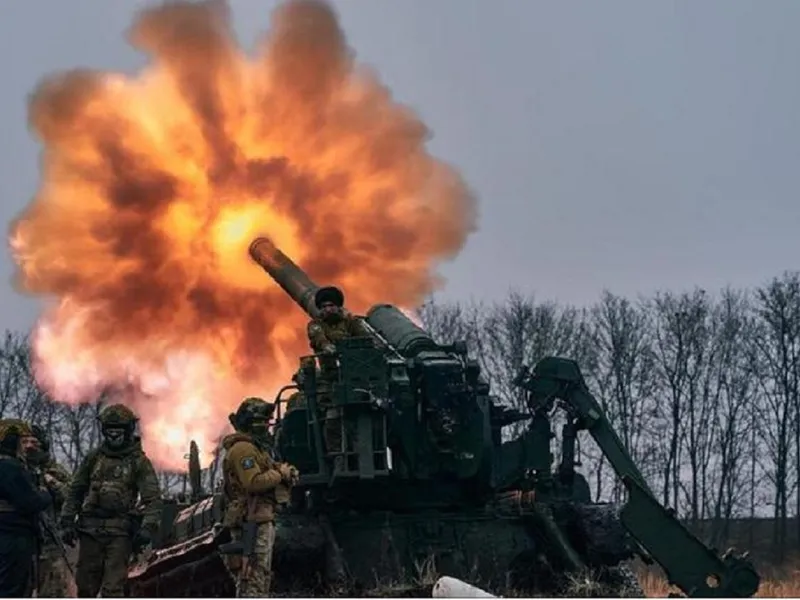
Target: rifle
x=246 y=546
x=49 y=528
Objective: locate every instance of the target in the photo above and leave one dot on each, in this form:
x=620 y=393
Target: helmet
x=252 y=417
x=250 y=410
x=117 y=415
x=306 y=363
x=329 y=294
x=117 y=424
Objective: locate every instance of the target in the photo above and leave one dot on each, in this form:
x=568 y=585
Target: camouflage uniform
x=54 y=572
x=334 y=324
x=254 y=487
x=297 y=399
x=105 y=487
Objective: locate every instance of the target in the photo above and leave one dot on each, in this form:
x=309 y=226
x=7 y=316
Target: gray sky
x=628 y=145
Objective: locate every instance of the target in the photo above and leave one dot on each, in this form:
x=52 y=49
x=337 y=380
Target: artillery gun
x=426 y=478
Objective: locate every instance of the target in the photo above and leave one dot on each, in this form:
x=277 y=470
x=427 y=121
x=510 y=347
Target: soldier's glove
x=143 y=538
x=49 y=480
x=329 y=349
x=69 y=536
x=289 y=474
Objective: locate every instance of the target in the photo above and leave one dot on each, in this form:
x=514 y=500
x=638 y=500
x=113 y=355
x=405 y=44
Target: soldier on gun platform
x=255 y=486
x=333 y=324
x=297 y=399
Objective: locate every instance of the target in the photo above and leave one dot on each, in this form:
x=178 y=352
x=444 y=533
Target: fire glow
x=152 y=187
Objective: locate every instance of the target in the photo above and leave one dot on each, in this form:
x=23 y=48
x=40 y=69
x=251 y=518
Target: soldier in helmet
x=99 y=506
x=53 y=478
x=255 y=487
x=20 y=505
x=333 y=324
x=297 y=400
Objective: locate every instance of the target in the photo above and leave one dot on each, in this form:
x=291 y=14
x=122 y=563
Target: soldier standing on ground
x=255 y=488
x=20 y=505
x=52 y=477
x=333 y=324
x=102 y=497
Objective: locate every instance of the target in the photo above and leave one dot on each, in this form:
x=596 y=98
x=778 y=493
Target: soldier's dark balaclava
x=115 y=437
x=117 y=424
x=259 y=430
x=253 y=418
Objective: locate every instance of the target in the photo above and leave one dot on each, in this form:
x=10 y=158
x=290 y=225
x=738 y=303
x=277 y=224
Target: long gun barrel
x=286 y=274
x=385 y=322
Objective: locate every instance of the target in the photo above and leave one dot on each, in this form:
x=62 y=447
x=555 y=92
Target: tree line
x=703 y=389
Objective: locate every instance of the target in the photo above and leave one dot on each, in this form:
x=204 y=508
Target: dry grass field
x=777 y=584
x=784 y=587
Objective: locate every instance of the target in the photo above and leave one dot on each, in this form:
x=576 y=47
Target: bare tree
x=681 y=347
x=449 y=322
x=521 y=331
x=735 y=389
x=703 y=391
x=624 y=378
x=776 y=358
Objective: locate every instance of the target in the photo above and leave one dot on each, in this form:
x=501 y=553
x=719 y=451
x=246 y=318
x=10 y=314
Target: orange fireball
x=153 y=187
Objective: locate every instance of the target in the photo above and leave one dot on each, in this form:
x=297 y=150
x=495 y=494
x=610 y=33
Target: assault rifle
x=49 y=528
x=245 y=547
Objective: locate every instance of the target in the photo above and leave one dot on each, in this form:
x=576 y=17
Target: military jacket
x=252 y=483
x=107 y=486
x=322 y=333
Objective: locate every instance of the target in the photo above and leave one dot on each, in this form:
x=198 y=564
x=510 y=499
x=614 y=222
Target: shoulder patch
x=248 y=462
x=314 y=328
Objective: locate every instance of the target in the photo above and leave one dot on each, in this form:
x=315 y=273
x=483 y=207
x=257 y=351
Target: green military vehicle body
x=429 y=485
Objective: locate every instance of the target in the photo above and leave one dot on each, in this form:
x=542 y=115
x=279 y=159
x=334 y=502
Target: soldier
x=20 y=505
x=52 y=477
x=297 y=399
x=103 y=496
x=255 y=487
x=334 y=323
